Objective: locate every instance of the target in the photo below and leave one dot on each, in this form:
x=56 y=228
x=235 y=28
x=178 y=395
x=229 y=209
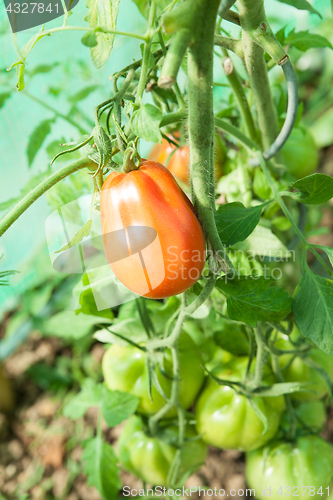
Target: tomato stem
x=39 y=190
x=146 y=54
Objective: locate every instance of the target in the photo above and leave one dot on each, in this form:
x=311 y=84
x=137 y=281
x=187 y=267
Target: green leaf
x=260 y=185
x=143 y=6
x=301 y=5
x=78 y=237
x=42 y=68
x=90 y=395
x=88 y=305
x=118 y=406
x=253 y=299
x=69 y=326
x=146 y=123
x=314 y=189
x=265 y=243
x=303 y=40
x=102 y=14
x=37 y=138
x=280 y=389
x=103 y=144
x=259 y=414
x=100 y=465
x=82 y=94
x=235 y=222
x=313 y=309
x=89 y=39
x=329 y=253
x=3 y=98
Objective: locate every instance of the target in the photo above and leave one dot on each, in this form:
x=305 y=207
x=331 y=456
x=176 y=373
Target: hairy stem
x=39 y=190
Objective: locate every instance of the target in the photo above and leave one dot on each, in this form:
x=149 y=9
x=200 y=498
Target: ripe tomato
x=303 y=468
x=179 y=162
x=152 y=238
x=150 y=457
x=227 y=420
x=295 y=369
x=125 y=369
x=300 y=153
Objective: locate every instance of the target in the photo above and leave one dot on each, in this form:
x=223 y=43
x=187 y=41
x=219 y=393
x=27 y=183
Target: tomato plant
x=150 y=457
x=227 y=419
x=150 y=198
x=125 y=368
x=214 y=303
x=282 y=467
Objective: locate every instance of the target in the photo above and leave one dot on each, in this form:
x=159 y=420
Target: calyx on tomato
x=150 y=457
x=302 y=468
x=228 y=420
x=125 y=369
x=152 y=238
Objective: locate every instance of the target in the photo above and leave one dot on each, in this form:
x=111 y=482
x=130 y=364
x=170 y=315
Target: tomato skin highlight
x=149 y=197
x=150 y=457
x=125 y=369
x=306 y=462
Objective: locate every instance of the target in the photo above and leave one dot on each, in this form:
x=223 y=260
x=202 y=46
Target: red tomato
x=179 y=162
x=152 y=238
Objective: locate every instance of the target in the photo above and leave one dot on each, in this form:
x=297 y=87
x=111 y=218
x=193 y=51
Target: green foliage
x=146 y=123
x=253 y=299
x=303 y=40
x=314 y=189
x=37 y=139
x=102 y=15
x=313 y=309
x=235 y=222
x=301 y=5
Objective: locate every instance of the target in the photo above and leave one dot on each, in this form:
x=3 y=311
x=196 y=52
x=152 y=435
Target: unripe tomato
x=300 y=153
x=150 y=457
x=311 y=416
x=125 y=369
x=227 y=420
x=179 y=163
x=303 y=468
x=295 y=369
x=152 y=238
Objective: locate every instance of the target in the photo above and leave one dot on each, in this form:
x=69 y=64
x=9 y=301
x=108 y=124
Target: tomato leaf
x=259 y=414
x=69 y=326
x=303 y=40
x=313 y=309
x=102 y=15
x=329 y=253
x=264 y=243
x=143 y=6
x=253 y=299
x=37 y=138
x=301 y=5
x=82 y=94
x=235 y=222
x=118 y=406
x=78 y=237
x=100 y=465
x=146 y=123
x=90 y=395
x=280 y=388
x=43 y=68
x=314 y=189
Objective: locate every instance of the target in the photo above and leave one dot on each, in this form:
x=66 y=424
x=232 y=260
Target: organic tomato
x=6 y=393
x=227 y=419
x=179 y=163
x=311 y=416
x=296 y=369
x=125 y=369
x=303 y=468
x=150 y=457
x=152 y=238
x=300 y=153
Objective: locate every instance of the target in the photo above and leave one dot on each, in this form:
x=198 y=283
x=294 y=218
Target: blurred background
x=44 y=354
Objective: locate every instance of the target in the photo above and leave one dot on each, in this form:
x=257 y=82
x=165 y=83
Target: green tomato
x=300 y=153
x=287 y=468
x=125 y=369
x=150 y=457
x=311 y=415
x=296 y=370
x=227 y=419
